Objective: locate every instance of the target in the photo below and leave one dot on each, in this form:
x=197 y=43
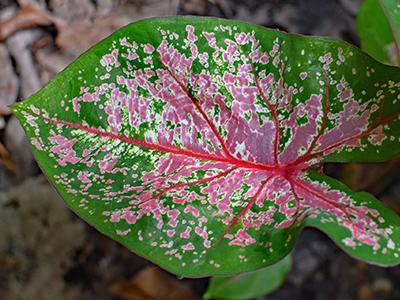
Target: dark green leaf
x=378 y=24
x=249 y=285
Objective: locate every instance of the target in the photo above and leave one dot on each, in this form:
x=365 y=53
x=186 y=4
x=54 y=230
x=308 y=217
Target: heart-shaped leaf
x=378 y=25
x=195 y=142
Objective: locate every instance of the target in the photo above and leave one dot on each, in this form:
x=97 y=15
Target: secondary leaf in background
x=250 y=285
x=193 y=142
x=378 y=25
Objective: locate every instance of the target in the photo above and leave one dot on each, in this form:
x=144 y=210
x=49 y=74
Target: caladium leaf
x=378 y=25
x=193 y=142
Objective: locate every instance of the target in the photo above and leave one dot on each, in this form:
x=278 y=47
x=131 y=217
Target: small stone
x=2 y=123
x=382 y=285
x=17 y=144
x=8 y=83
x=351 y=6
x=19 y=45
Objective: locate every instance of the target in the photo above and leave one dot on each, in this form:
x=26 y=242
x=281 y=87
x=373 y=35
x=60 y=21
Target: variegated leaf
x=194 y=142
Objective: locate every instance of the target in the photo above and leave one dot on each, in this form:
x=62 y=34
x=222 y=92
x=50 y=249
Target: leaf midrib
x=167 y=149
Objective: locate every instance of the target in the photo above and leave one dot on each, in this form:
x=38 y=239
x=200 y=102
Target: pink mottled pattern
x=216 y=143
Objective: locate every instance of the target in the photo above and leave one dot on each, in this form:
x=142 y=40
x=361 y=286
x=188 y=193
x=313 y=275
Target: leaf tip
x=15 y=107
